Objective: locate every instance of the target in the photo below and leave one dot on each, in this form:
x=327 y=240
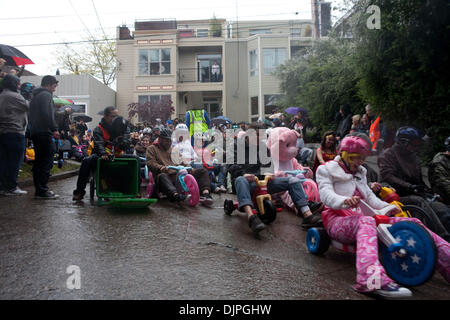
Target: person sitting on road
x=244 y=183
x=439 y=173
x=327 y=150
x=400 y=168
x=102 y=135
x=342 y=185
x=159 y=158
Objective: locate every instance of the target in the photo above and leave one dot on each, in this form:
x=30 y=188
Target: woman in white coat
x=342 y=184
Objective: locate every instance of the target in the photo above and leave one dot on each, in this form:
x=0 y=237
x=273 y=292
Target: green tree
x=404 y=65
x=321 y=80
x=96 y=56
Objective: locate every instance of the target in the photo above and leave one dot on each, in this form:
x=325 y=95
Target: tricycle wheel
x=317 y=240
x=270 y=212
x=194 y=191
x=418 y=265
x=228 y=206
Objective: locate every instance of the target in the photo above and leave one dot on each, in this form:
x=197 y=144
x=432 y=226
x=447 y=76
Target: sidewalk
x=55 y=177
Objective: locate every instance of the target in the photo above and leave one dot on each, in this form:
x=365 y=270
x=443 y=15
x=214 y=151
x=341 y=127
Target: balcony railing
x=198 y=75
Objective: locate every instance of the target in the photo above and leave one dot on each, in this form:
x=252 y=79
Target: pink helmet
x=356 y=144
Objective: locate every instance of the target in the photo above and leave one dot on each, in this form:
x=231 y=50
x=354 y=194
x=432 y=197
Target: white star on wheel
x=411 y=242
x=398 y=239
x=394 y=255
x=415 y=258
x=313 y=240
x=404 y=267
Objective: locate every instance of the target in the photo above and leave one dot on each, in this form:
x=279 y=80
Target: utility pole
x=315 y=19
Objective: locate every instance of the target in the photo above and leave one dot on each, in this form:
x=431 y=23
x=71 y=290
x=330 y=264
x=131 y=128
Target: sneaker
x=256 y=224
x=206 y=199
x=314 y=220
x=393 y=290
x=217 y=190
x=315 y=207
x=49 y=195
x=178 y=197
x=223 y=189
x=15 y=192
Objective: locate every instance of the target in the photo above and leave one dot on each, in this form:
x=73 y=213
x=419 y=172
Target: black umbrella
x=216 y=122
x=82 y=117
x=13 y=56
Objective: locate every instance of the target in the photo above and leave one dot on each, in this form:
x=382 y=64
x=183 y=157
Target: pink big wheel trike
x=185 y=184
x=407 y=250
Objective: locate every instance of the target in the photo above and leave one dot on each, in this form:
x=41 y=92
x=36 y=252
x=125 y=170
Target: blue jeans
x=217 y=175
x=12 y=152
x=293 y=185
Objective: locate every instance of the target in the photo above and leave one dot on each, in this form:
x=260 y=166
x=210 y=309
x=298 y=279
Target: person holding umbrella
x=42 y=129
x=13 y=122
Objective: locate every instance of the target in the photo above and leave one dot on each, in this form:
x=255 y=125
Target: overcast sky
x=32 y=25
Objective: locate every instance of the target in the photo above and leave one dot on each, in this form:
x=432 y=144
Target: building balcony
x=198 y=75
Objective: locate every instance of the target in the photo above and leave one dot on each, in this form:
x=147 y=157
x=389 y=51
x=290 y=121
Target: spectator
x=364 y=124
x=327 y=150
x=13 y=122
x=197 y=120
x=356 y=123
x=439 y=173
x=77 y=150
x=42 y=128
x=81 y=127
x=346 y=123
x=215 y=71
x=400 y=168
x=141 y=146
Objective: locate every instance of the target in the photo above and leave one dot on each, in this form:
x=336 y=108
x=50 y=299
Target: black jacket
x=42 y=112
x=99 y=139
x=239 y=169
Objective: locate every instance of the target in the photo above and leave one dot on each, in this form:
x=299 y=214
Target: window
x=272 y=58
x=296 y=32
x=254 y=105
x=260 y=31
x=202 y=33
x=154 y=61
x=253 y=63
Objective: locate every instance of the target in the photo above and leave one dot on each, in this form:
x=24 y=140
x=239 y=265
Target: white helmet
x=181 y=126
x=147 y=131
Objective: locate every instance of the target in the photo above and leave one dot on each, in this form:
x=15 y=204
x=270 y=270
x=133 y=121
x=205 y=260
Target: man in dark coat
x=42 y=129
x=400 y=168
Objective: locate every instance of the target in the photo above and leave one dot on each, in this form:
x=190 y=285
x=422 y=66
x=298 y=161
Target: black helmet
x=165 y=133
x=447 y=144
x=408 y=134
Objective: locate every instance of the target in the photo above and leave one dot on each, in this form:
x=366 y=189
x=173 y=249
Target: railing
x=199 y=75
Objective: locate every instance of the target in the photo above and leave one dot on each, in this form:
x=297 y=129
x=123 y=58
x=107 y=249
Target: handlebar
x=179 y=168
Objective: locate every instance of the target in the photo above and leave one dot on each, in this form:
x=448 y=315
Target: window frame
x=268 y=70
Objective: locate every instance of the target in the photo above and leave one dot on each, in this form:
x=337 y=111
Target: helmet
x=407 y=134
x=165 y=133
x=147 y=131
x=356 y=144
x=181 y=126
x=447 y=143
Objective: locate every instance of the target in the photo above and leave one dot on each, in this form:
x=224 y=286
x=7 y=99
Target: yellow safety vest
x=197 y=122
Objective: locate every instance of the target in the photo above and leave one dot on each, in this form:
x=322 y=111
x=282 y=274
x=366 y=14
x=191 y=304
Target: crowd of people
x=339 y=171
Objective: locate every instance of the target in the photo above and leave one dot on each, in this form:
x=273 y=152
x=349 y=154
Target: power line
x=165 y=34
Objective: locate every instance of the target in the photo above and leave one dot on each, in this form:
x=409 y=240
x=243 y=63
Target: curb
x=59 y=176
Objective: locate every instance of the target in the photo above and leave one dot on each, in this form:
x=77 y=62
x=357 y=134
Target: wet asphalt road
x=165 y=252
